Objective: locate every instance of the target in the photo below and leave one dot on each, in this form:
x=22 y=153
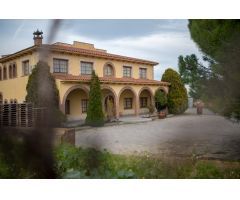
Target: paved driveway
x=208 y=135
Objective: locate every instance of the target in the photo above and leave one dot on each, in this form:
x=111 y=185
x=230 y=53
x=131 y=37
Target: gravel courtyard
x=207 y=136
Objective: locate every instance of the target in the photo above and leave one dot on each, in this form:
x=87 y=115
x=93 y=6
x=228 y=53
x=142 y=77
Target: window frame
x=142 y=103
x=60 y=69
x=24 y=69
x=141 y=69
x=84 y=69
x=10 y=71
x=14 y=70
x=105 y=69
x=128 y=103
x=5 y=72
x=84 y=105
x=125 y=73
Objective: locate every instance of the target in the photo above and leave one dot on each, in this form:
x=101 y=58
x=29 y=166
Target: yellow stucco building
x=128 y=82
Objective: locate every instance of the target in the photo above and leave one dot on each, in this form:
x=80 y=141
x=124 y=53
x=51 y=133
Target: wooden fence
x=20 y=115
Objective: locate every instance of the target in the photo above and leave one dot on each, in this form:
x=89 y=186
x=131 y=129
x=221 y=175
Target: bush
x=95 y=115
x=160 y=100
x=177 y=95
x=75 y=162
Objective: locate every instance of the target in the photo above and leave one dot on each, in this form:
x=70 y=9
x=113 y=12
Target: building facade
x=125 y=81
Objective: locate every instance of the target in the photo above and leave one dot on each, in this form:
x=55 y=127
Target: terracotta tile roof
x=86 y=78
x=78 y=51
x=95 y=53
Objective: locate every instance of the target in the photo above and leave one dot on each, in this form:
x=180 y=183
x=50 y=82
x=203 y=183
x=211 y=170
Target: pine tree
x=177 y=95
x=95 y=115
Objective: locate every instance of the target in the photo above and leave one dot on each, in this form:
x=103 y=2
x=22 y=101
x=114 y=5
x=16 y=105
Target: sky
x=157 y=40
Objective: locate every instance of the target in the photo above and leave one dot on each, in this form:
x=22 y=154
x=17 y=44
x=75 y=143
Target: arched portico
x=127 y=101
x=146 y=98
x=75 y=101
x=109 y=101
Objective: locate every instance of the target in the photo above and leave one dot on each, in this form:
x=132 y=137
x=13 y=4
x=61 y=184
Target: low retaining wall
x=64 y=135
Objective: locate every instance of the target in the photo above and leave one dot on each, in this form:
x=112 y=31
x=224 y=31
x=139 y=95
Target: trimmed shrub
x=95 y=115
x=177 y=95
x=160 y=100
x=42 y=92
x=37 y=93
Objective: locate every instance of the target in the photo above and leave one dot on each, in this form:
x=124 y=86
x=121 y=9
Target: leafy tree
x=160 y=100
x=95 y=115
x=177 y=95
x=219 y=40
x=192 y=73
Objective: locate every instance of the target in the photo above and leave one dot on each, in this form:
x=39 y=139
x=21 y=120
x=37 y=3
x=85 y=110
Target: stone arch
x=85 y=88
x=135 y=99
x=146 y=88
x=113 y=69
x=150 y=99
x=109 y=88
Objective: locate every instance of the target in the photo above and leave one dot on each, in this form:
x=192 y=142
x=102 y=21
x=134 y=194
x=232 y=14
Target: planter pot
x=161 y=114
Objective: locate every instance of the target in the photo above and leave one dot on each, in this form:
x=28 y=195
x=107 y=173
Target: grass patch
x=72 y=162
x=75 y=162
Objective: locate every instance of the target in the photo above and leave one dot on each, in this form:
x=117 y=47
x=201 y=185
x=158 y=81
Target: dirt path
x=209 y=136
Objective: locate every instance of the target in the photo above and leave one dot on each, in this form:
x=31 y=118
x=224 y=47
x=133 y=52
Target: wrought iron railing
x=20 y=115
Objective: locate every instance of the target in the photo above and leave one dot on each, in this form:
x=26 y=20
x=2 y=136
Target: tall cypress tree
x=95 y=116
x=177 y=95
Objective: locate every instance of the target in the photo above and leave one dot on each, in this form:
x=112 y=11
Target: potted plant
x=151 y=109
x=161 y=104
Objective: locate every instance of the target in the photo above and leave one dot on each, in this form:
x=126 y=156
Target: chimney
x=37 y=37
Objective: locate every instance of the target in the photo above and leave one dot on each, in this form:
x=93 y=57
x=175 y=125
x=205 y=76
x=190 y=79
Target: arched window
x=108 y=70
x=14 y=71
x=5 y=101
x=11 y=101
x=0 y=73
x=4 y=73
x=1 y=98
x=15 y=101
x=10 y=71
